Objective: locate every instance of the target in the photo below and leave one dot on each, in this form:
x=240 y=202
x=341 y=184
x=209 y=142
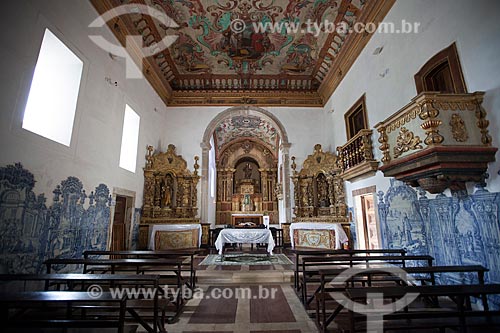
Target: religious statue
x=248 y=171
x=322 y=192
x=167 y=195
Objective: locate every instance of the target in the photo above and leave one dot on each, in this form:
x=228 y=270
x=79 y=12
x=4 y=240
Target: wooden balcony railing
x=355 y=158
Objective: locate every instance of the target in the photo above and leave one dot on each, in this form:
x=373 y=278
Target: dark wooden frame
x=311 y=266
x=450 y=55
x=349 y=116
x=34 y=299
x=85 y=280
x=311 y=252
x=460 y=294
x=144 y=254
x=327 y=275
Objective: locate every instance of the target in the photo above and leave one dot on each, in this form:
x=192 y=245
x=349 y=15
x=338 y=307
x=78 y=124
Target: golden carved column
x=431 y=123
x=149 y=191
x=263 y=182
x=271 y=181
x=384 y=145
x=331 y=192
x=340 y=205
x=225 y=188
x=482 y=124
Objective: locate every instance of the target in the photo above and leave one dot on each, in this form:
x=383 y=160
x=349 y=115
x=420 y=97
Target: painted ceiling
x=215 y=62
x=251 y=127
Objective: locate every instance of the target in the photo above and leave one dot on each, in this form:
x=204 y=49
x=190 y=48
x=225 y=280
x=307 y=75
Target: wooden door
x=118 y=233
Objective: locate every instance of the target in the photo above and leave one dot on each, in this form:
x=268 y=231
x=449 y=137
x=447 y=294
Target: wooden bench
x=83 y=281
x=36 y=299
x=317 y=252
x=327 y=275
x=138 y=266
x=312 y=265
x=460 y=318
x=163 y=254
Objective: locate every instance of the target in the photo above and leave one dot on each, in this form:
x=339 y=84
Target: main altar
x=170 y=198
x=247 y=173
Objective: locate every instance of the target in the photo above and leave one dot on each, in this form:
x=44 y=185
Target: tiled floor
x=246 y=299
x=283 y=313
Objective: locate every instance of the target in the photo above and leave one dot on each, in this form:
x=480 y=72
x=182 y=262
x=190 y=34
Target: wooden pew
x=139 y=266
x=37 y=299
x=327 y=275
x=163 y=254
x=318 y=252
x=82 y=281
x=310 y=266
x=462 y=317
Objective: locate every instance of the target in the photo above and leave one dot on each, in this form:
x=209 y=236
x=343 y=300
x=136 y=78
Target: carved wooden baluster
x=358 y=151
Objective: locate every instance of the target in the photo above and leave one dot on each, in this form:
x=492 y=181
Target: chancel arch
x=246 y=135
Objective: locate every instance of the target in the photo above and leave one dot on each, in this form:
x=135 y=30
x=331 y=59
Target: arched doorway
x=249 y=132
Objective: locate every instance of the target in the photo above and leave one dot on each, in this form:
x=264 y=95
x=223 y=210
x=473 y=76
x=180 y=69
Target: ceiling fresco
x=251 y=127
x=208 y=43
x=215 y=61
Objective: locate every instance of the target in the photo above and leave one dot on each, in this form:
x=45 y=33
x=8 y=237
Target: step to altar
x=256 y=276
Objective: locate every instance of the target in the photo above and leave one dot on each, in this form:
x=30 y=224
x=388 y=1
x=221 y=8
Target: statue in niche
x=322 y=192
x=167 y=198
x=167 y=190
x=246 y=203
x=248 y=171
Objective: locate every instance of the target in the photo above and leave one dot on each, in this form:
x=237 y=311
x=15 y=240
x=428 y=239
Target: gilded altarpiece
x=170 y=193
x=246 y=180
x=319 y=193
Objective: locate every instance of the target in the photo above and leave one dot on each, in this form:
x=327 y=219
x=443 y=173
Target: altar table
x=340 y=235
x=172 y=227
x=242 y=218
x=245 y=236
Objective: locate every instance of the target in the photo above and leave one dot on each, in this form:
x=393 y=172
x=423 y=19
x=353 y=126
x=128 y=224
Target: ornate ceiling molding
x=200 y=69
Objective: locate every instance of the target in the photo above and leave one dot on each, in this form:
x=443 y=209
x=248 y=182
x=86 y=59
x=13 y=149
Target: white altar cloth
x=245 y=236
x=340 y=235
x=172 y=227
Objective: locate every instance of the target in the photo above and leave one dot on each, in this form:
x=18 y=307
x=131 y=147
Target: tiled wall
x=459 y=230
x=135 y=229
x=31 y=231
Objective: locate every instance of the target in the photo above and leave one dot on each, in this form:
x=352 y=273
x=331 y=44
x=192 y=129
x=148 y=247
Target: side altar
x=170 y=198
x=319 y=198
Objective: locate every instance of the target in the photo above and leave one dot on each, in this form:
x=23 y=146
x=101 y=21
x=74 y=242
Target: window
x=442 y=73
x=51 y=106
x=355 y=118
x=130 y=139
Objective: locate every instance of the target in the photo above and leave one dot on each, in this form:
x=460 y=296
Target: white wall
x=475 y=28
x=305 y=127
x=93 y=155
x=94 y=152
x=186 y=126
